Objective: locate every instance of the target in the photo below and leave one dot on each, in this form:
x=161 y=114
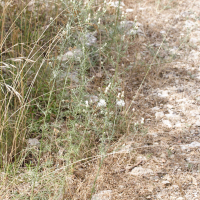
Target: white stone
x=89 y=39
x=103 y=195
x=190 y=146
x=137 y=171
x=163 y=32
x=159 y=115
x=163 y=94
x=172 y=116
x=197 y=123
x=167 y=123
x=33 y=142
x=129 y=10
x=180 y=198
x=77 y=53
x=178 y=125
x=166 y=183
x=127 y=25
x=156 y=108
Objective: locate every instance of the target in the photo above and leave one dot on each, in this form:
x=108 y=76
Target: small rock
x=103 y=195
x=89 y=39
x=172 y=116
x=33 y=142
x=169 y=106
x=189 y=146
x=194 y=38
x=74 y=77
x=197 y=123
x=167 y=123
x=153 y=134
x=134 y=31
x=166 y=183
x=155 y=108
x=179 y=90
x=126 y=149
x=189 y=24
x=178 y=125
x=141 y=158
x=175 y=187
x=127 y=25
x=129 y=10
x=180 y=198
x=66 y=56
x=137 y=171
x=76 y=54
x=159 y=115
x=163 y=32
x=163 y=94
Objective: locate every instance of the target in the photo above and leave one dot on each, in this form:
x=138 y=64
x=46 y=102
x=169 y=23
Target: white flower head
x=86 y=104
x=122 y=95
x=120 y=103
x=88 y=19
x=99 y=21
x=119 y=95
x=142 y=120
x=102 y=103
x=107 y=88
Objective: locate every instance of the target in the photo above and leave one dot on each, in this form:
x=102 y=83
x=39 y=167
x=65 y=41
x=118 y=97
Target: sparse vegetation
x=71 y=74
x=61 y=87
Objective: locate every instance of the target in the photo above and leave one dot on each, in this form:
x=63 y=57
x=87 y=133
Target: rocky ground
x=162 y=161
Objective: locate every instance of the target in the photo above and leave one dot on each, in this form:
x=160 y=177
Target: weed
x=52 y=66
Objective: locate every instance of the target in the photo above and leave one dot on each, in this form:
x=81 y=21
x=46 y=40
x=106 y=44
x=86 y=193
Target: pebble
x=166 y=183
x=189 y=146
x=33 y=142
x=137 y=171
x=89 y=39
x=103 y=195
x=159 y=115
x=167 y=123
x=163 y=94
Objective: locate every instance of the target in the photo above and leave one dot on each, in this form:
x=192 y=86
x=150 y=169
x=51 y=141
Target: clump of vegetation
x=60 y=85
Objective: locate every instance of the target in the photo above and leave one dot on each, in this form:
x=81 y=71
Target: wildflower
x=142 y=120
x=51 y=19
x=122 y=95
x=99 y=21
x=102 y=103
x=118 y=96
x=120 y=103
x=64 y=33
x=135 y=18
x=86 y=104
x=136 y=123
x=107 y=88
x=88 y=19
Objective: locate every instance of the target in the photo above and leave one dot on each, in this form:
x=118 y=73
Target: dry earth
x=163 y=160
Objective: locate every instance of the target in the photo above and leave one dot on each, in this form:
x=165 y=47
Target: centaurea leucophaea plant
x=120 y=100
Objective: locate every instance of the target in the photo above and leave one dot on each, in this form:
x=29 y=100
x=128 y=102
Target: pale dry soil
x=162 y=161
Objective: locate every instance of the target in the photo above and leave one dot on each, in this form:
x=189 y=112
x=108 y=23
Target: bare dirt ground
x=162 y=161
